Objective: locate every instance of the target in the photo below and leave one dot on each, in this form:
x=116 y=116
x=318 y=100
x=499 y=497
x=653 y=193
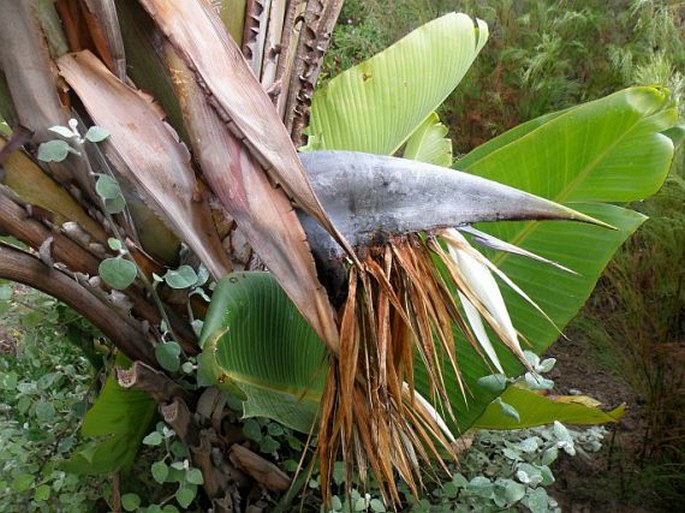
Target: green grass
x=635 y=323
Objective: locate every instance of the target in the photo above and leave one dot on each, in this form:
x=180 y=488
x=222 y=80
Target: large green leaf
x=254 y=340
x=611 y=149
x=535 y=409
x=375 y=106
x=117 y=423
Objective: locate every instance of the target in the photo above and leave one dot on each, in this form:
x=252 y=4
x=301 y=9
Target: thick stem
x=263 y=471
x=19 y=266
x=30 y=225
x=319 y=19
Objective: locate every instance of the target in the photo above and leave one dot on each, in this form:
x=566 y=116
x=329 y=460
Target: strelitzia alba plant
x=371 y=343
x=403 y=303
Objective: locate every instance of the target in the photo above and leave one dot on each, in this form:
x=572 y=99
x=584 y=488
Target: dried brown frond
x=401 y=305
x=398 y=307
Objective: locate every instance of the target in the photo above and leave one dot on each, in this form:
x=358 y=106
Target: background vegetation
x=542 y=56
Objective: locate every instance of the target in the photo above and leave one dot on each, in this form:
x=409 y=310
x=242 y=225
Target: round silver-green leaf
x=169 y=355
x=97 y=134
x=118 y=273
x=181 y=278
x=53 y=151
x=107 y=187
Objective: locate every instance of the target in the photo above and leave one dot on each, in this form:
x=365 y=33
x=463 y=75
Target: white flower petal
x=482 y=282
x=476 y=323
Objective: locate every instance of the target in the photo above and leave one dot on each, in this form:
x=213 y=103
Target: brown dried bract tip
x=398 y=305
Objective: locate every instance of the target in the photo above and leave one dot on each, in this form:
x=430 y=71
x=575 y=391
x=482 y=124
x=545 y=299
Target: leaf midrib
x=299 y=393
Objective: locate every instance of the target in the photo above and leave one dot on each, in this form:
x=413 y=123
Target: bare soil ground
x=606 y=481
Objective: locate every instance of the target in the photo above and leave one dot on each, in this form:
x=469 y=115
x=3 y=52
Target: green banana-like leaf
x=535 y=409
x=429 y=144
x=116 y=425
x=258 y=346
x=614 y=150
x=375 y=106
x=611 y=149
